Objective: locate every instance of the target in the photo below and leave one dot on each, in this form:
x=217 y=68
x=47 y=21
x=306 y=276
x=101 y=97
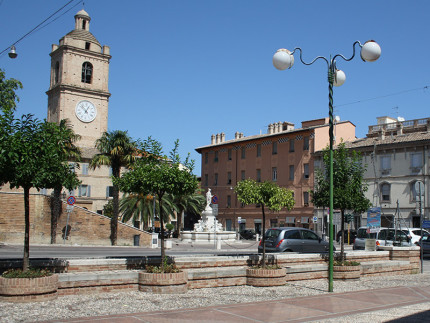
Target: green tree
x=140 y=207
x=8 y=96
x=159 y=175
x=348 y=186
x=62 y=144
x=108 y=209
x=31 y=160
x=117 y=150
x=266 y=194
x=192 y=203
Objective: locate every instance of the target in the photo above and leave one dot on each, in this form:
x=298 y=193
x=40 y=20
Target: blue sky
x=191 y=68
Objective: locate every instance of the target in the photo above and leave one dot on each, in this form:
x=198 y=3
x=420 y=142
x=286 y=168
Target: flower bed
x=163 y=283
x=261 y=277
x=28 y=289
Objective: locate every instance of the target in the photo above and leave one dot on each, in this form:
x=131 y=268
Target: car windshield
x=362 y=233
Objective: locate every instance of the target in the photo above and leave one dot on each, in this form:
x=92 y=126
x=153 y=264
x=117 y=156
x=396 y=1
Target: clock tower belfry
x=78 y=88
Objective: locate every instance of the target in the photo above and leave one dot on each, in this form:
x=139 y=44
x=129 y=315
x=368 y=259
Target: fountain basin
x=205 y=236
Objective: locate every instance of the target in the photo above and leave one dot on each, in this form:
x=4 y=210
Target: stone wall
x=86 y=227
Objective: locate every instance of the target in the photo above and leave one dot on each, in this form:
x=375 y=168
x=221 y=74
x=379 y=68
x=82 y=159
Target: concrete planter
x=260 y=277
x=163 y=283
x=22 y=290
x=346 y=272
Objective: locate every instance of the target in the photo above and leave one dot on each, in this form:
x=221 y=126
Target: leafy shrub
x=346 y=263
x=31 y=273
x=265 y=267
x=170 y=226
x=165 y=267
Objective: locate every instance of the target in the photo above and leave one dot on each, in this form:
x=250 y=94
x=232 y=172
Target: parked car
x=352 y=235
x=247 y=234
x=415 y=234
x=292 y=239
x=425 y=243
x=384 y=237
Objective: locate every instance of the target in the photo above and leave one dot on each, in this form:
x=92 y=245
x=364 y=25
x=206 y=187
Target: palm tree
x=67 y=149
x=140 y=207
x=194 y=203
x=117 y=149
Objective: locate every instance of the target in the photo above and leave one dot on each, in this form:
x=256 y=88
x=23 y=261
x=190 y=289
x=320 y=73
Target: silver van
x=384 y=237
x=292 y=239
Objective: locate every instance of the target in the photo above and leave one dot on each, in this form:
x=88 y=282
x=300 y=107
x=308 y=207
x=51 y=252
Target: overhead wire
x=40 y=25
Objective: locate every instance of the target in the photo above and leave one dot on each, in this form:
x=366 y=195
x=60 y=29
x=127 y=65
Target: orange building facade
x=283 y=155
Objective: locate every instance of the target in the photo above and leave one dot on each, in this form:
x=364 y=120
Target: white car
x=415 y=234
x=385 y=237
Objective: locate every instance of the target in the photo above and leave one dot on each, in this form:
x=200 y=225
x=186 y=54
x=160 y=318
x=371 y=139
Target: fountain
x=208 y=228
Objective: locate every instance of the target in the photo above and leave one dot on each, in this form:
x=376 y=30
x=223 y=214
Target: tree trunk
x=26 y=258
x=263 y=237
x=163 y=252
x=115 y=211
x=55 y=213
x=342 y=236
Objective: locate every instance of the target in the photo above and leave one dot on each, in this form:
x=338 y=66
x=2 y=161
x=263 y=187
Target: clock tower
x=78 y=88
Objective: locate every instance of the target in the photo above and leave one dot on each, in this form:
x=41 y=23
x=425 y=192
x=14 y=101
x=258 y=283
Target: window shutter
x=107 y=191
x=79 y=192
x=89 y=190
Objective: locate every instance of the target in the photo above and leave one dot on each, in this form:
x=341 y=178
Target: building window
x=243 y=152
x=258 y=150
x=229 y=178
x=228 y=200
x=110 y=171
x=206 y=158
x=229 y=154
x=306 y=171
x=305 y=198
x=291 y=173
x=291 y=145
x=242 y=175
x=385 y=192
x=258 y=175
x=84 y=168
x=274 y=174
x=85 y=190
x=216 y=179
x=216 y=157
x=385 y=165
x=109 y=191
x=56 y=72
x=87 y=72
x=273 y=223
x=87 y=45
x=306 y=143
x=416 y=162
x=274 y=148
x=206 y=180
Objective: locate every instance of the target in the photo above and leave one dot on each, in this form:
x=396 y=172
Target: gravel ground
x=133 y=302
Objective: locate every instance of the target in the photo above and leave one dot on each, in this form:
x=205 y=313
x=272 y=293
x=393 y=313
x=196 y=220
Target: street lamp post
x=284 y=59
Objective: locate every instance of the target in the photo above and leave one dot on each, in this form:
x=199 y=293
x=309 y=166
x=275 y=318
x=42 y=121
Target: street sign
x=215 y=209
x=315 y=219
x=69 y=208
x=239 y=219
x=71 y=200
x=214 y=199
x=419 y=188
x=426 y=224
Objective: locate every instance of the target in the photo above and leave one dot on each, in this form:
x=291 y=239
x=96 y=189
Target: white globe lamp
x=370 y=51
x=283 y=59
x=339 y=78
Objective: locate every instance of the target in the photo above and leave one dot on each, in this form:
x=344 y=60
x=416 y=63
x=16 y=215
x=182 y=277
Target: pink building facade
x=283 y=155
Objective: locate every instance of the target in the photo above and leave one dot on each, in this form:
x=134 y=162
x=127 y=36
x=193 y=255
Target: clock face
x=86 y=111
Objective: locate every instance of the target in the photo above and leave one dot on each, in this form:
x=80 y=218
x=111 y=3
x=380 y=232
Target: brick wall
x=87 y=228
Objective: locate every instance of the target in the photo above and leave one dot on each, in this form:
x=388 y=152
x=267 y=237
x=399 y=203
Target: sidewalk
x=398 y=304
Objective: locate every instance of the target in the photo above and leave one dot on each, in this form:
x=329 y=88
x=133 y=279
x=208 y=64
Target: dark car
x=425 y=242
x=292 y=239
x=352 y=236
x=247 y=234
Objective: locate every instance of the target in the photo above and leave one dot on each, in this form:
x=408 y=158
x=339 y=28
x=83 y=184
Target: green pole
x=330 y=90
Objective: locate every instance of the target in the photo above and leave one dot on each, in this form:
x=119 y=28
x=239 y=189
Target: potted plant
x=163 y=279
x=346 y=270
x=31 y=285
